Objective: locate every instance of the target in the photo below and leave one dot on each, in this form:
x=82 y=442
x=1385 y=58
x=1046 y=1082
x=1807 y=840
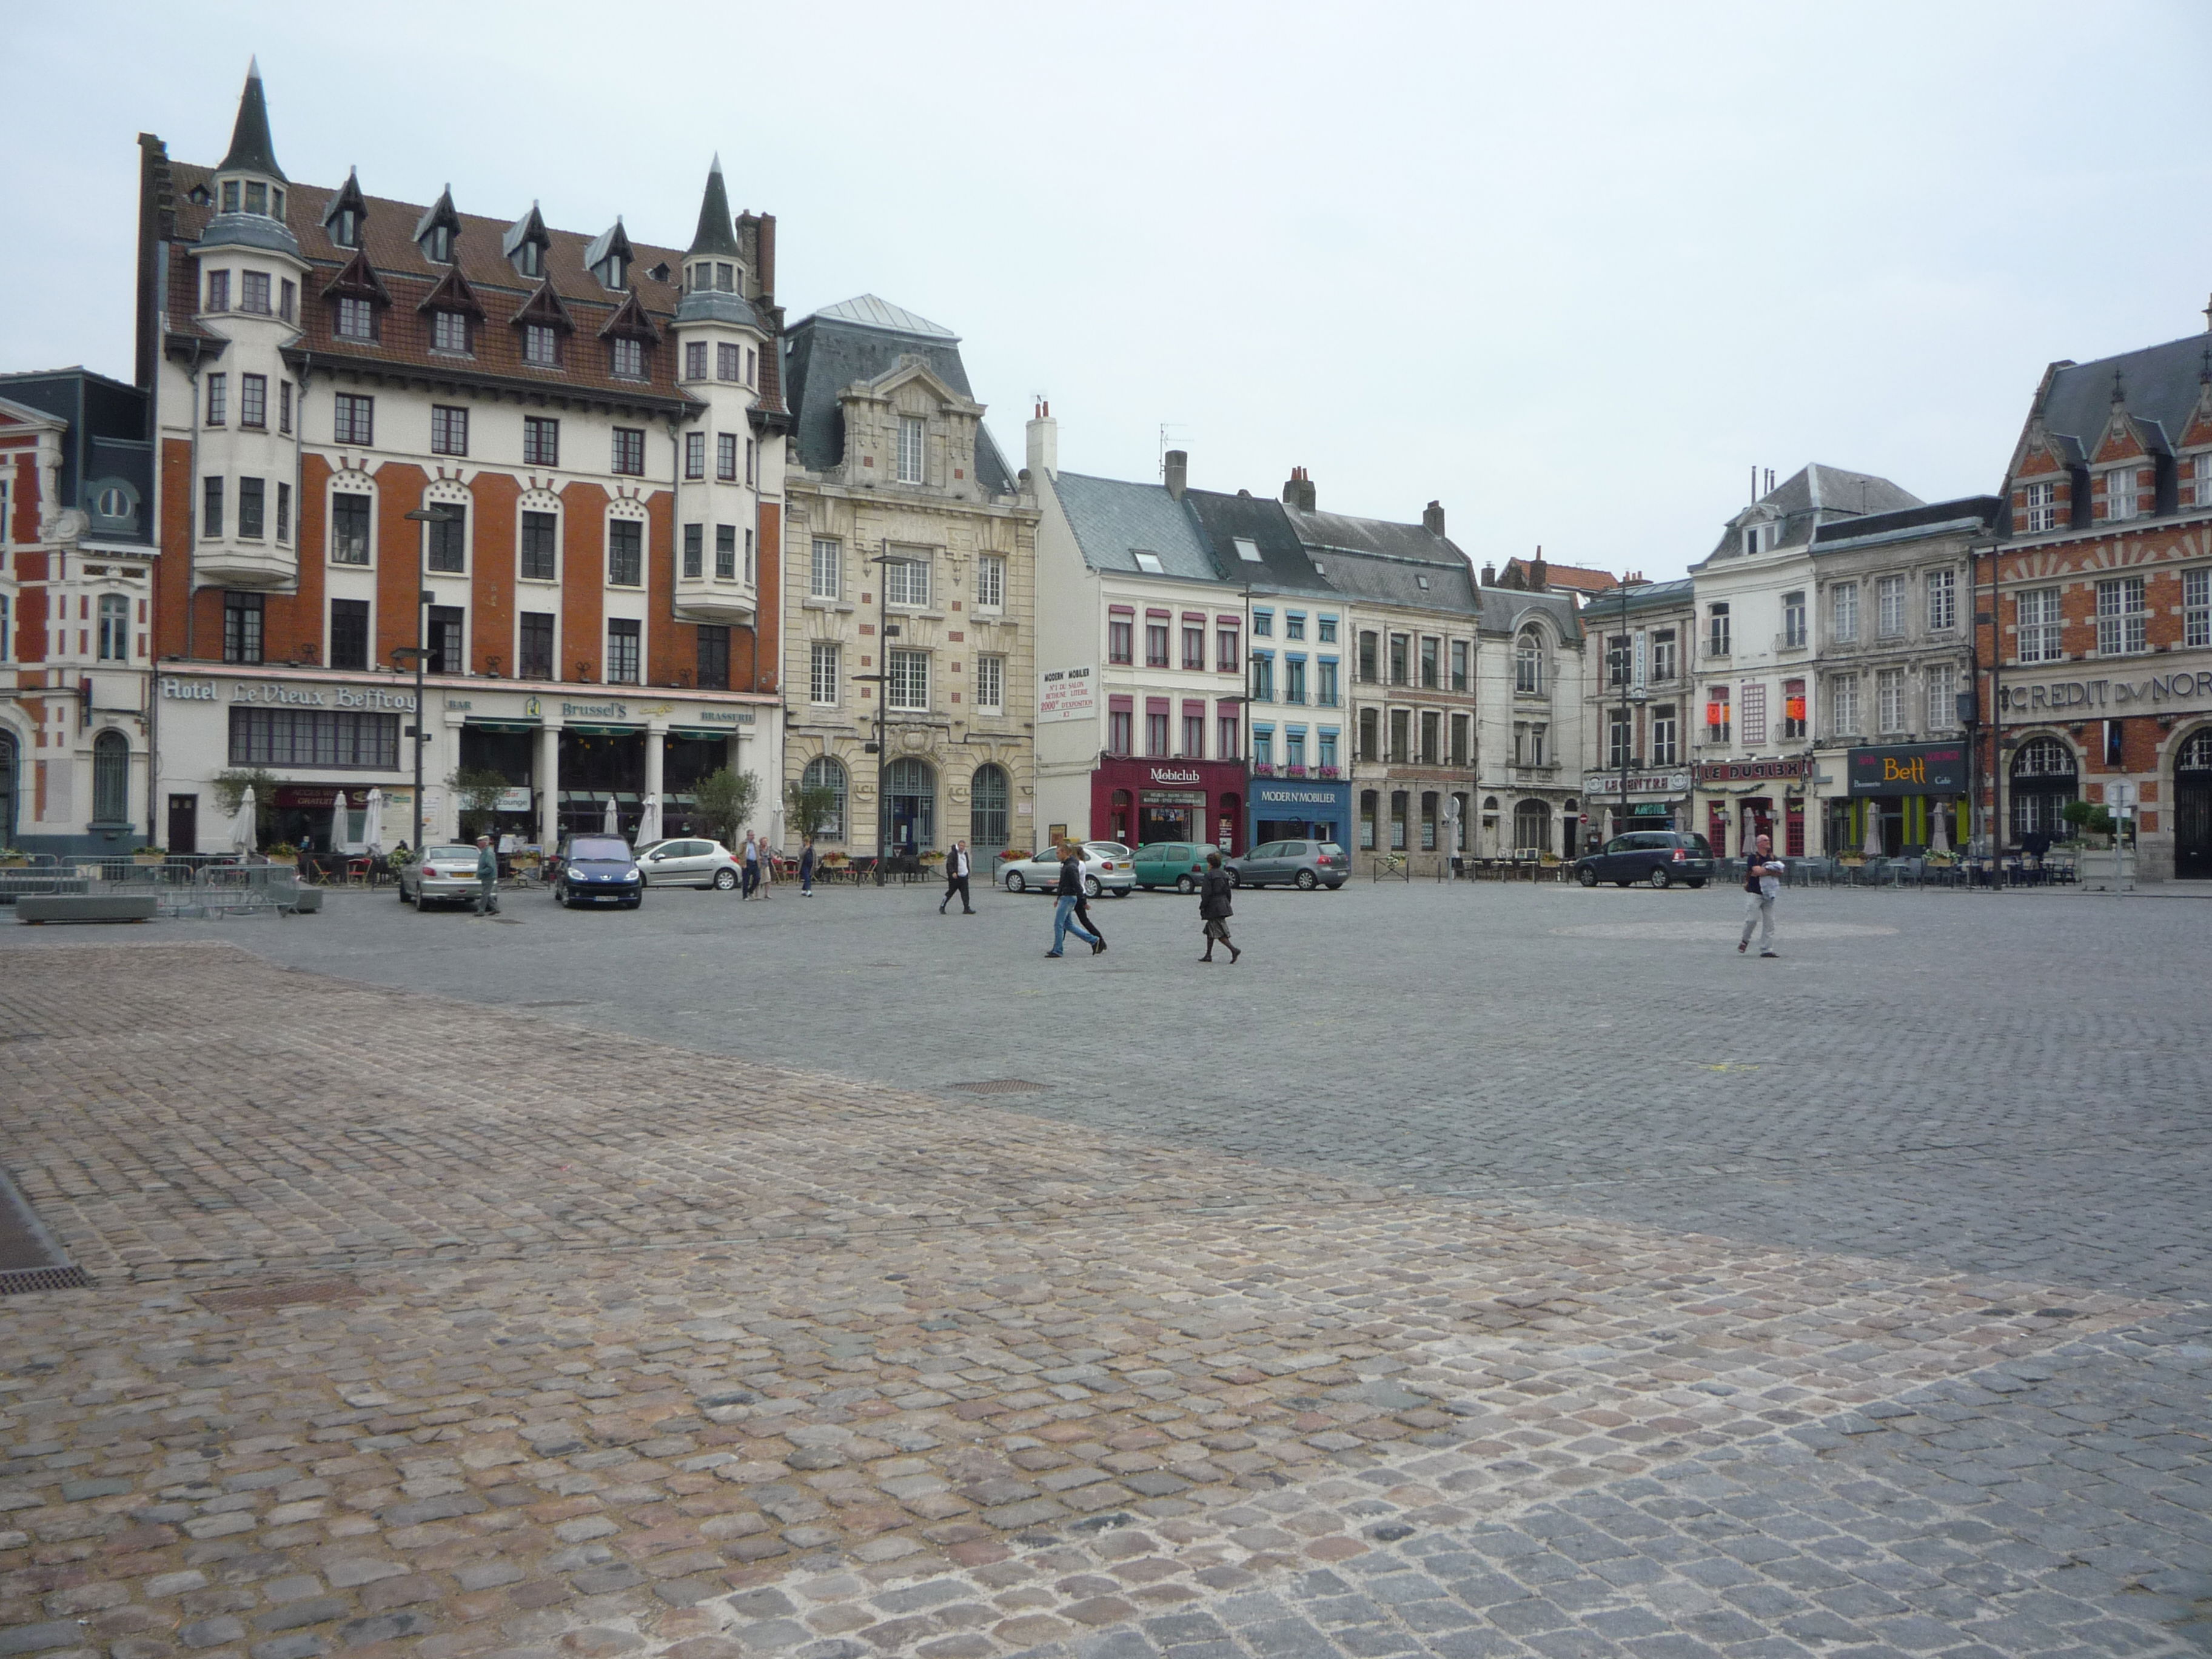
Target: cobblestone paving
x=596 y=1346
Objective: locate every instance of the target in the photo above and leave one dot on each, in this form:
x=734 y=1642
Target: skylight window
x=1248 y=549
x=1146 y=561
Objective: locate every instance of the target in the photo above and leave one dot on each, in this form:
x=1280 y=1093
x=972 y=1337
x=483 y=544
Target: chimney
x=1044 y=441
x=1299 y=491
x=1540 y=574
x=1432 y=518
x=1490 y=576
x=1178 y=472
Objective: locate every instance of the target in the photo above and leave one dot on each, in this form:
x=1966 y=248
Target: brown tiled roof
x=1579 y=578
x=388 y=238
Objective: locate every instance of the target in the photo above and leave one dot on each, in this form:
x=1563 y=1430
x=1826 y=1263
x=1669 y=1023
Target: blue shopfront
x=1301 y=809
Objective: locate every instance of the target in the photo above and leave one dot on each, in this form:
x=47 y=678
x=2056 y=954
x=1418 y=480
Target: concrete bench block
x=86 y=907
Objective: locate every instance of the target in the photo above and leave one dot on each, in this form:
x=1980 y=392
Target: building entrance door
x=2192 y=808
x=183 y=823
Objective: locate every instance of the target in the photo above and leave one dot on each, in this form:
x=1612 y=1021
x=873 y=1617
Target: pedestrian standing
x=956 y=880
x=806 y=868
x=487 y=877
x=751 y=859
x=1762 y=886
x=1063 y=915
x=1214 y=908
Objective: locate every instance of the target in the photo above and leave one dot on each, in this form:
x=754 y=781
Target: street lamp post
x=435 y=513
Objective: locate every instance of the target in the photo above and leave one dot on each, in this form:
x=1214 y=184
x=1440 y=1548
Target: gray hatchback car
x=1304 y=864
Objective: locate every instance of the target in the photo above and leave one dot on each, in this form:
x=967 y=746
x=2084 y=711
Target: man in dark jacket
x=1069 y=890
x=956 y=880
x=1213 y=908
x=487 y=877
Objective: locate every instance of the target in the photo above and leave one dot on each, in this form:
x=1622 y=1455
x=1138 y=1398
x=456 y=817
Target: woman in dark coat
x=1213 y=908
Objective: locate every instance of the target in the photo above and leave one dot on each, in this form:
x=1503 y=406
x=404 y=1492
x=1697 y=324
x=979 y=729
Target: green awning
x=502 y=725
x=606 y=731
x=696 y=734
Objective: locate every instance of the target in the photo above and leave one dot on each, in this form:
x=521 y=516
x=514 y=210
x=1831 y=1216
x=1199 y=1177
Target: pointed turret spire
x=252 y=150
x=715 y=234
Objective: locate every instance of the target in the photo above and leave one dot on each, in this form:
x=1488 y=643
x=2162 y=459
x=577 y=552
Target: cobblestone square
x=1469 y=1271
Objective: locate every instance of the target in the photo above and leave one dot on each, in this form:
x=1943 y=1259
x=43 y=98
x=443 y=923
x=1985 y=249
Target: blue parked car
x=597 y=870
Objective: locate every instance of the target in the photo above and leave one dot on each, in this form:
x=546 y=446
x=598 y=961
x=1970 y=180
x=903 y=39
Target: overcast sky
x=1573 y=270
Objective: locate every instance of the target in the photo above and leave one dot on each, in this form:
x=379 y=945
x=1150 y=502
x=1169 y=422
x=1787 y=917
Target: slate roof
x=252 y=150
x=857 y=340
x=1284 y=563
x=1814 y=495
x=1599 y=610
x=1504 y=609
x=2160 y=383
x=1112 y=519
x=1966 y=513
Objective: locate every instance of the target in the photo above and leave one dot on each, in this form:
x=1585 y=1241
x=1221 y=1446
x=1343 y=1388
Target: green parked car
x=1177 y=864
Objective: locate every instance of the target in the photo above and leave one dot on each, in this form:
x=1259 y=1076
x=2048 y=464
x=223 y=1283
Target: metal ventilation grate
x=22 y=1281
x=279 y=1296
x=1001 y=1085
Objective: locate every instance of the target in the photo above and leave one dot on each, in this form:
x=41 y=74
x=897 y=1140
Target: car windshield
x=450 y=854
x=1699 y=846
x=599 y=850
x=1106 y=849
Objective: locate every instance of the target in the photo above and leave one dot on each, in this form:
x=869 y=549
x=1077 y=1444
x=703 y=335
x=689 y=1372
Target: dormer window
x=629 y=358
x=449 y=333
x=345 y=229
x=198 y=196
x=613 y=273
x=660 y=273
x=530 y=259
x=355 y=320
x=438 y=246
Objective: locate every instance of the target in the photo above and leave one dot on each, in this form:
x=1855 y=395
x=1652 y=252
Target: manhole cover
x=278 y=1296
x=1001 y=1085
x=22 y=1281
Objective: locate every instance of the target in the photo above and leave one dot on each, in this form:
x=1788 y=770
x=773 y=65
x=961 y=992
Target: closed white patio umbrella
x=1940 y=841
x=243 y=822
x=1873 y=829
x=610 y=824
x=648 y=823
x=371 y=828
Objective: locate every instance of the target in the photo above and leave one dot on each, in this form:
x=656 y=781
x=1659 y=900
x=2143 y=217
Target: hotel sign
x=1909 y=769
x=288 y=693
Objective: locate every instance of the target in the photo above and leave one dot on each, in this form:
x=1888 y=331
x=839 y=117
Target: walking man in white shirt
x=1762 y=886
x=956 y=880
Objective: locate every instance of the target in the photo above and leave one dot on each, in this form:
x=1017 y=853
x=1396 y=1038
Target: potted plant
x=151 y=855
x=13 y=858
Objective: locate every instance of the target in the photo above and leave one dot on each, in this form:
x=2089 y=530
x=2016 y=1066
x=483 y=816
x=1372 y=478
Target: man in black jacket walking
x=956 y=880
x=1213 y=908
x=1069 y=890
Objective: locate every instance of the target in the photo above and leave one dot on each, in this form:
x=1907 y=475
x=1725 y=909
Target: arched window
x=1532 y=827
x=2043 y=783
x=1529 y=662
x=825 y=773
x=911 y=788
x=987 y=808
x=110 y=778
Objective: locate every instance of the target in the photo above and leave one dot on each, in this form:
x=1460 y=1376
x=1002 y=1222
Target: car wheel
x=1092 y=889
x=1185 y=885
x=1587 y=876
x=1308 y=881
x=1660 y=880
x=724 y=880
x=1014 y=882
x=1237 y=880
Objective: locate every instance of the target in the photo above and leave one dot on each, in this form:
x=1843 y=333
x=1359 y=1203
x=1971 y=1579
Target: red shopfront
x=1137 y=801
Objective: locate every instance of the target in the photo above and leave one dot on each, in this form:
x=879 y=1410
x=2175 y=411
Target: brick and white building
x=2097 y=664
x=598 y=418
x=77 y=564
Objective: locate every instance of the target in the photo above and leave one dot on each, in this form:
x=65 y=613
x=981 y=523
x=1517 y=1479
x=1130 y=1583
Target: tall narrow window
x=1754 y=713
x=695 y=551
x=625 y=553
x=728 y=362
x=1458 y=665
x=694 y=360
x=1401 y=737
x=1226 y=648
x=1888 y=607
x=1943 y=697
x=991 y=584
x=538 y=543
x=284 y=511
x=253 y=400
x=1430 y=666
x=110 y=778
x=713 y=657
x=114 y=628
x=349 y=634
x=990 y=684
x=218 y=290
x=2196 y=608
x=1325 y=692
x=1793 y=621
x=629 y=451
x=623 y=652
x=822 y=673
x=2120 y=494
x=284 y=406
x=1400 y=659
x=828 y=571
x=694 y=454
x=2122 y=619
x=1942 y=600
x=1718 y=723
x=1529 y=662
x=726 y=456
x=725 y=552
x=911 y=431
x=252 y=508
x=1716 y=631
x=349 y=528
x=287 y=299
x=218 y=399
x=1228 y=732
x=1459 y=727
x=1193 y=644
x=449 y=333
x=536 y=642
x=1889 y=701
x=1844 y=613
x=2042 y=508
x=1844 y=705
x=211 y=506
x=446 y=636
x=1369 y=645
x=1156 y=641
x=241 y=627
x=2037 y=613
x=1665 y=735
x=448 y=541
x=1793 y=708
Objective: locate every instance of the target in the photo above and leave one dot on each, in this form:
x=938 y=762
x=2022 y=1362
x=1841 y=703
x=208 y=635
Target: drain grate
x=1001 y=1085
x=22 y=1281
x=279 y=1296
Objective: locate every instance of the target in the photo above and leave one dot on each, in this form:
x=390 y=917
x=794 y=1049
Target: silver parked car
x=1304 y=864
x=443 y=875
x=1107 y=867
x=689 y=862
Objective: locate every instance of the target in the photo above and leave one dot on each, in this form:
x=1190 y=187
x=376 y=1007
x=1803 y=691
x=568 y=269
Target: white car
x=1107 y=867
x=443 y=875
x=688 y=862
